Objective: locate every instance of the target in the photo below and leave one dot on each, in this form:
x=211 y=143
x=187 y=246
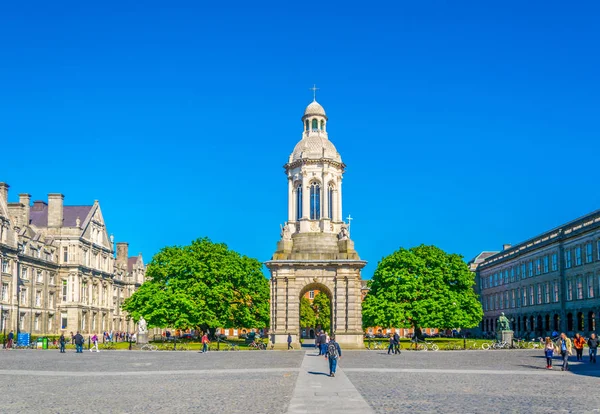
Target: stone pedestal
x=506 y=336
x=142 y=338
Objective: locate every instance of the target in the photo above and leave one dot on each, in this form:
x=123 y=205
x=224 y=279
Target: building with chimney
x=58 y=268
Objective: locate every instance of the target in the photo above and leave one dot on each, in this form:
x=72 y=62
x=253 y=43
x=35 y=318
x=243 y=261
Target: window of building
x=579 y=282
x=24 y=273
x=64 y=290
x=315 y=124
x=547 y=292
x=51 y=300
x=512 y=298
x=554 y=262
x=36 y=323
x=23 y=298
x=506 y=276
x=524 y=296
x=299 y=202
x=86 y=257
x=63 y=320
x=568 y=263
x=40 y=276
x=65 y=255
x=38 y=298
x=530 y=269
x=519 y=271
x=539 y=294
x=4 y=266
x=5 y=291
x=589 y=257
x=330 y=201
x=501 y=301
x=52 y=277
x=84 y=292
x=546 y=268
x=569 y=289
x=495 y=279
x=556 y=288
x=590 y=286
x=315 y=201
x=311 y=294
x=531 y=295
x=578 y=256
x=50 y=317
x=538 y=266
x=21 y=321
x=512 y=274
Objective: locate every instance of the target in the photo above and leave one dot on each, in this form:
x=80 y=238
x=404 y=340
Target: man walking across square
x=396 y=343
x=333 y=354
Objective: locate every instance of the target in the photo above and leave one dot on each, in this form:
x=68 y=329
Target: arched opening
x=556 y=326
x=591 y=321
x=316 y=311
x=298 y=201
x=315 y=201
x=315 y=125
x=322 y=125
x=547 y=324
x=519 y=324
x=580 y=325
x=531 y=323
x=569 y=322
x=306 y=125
x=540 y=327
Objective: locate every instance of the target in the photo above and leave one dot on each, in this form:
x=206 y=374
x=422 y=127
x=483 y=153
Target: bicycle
x=425 y=345
x=374 y=346
x=257 y=345
x=495 y=345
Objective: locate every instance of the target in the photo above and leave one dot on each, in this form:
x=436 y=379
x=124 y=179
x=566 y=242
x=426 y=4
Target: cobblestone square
x=280 y=382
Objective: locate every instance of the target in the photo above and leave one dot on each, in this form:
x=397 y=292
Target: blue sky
x=463 y=124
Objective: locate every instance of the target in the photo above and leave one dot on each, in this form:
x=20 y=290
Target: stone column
x=291 y=199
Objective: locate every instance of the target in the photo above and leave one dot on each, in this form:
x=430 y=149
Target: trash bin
x=44 y=343
x=38 y=343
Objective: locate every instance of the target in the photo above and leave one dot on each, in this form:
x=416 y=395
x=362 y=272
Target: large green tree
x=202 y=285
x=307 y=314
x=422 y=287
x=322 y=307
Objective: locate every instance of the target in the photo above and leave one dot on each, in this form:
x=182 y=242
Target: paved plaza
x=293 y=382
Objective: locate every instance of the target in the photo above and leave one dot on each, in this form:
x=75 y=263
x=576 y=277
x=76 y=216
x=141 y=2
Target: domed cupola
x=314 y=119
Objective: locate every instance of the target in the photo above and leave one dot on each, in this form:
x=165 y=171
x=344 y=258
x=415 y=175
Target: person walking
x=396 y=343
x=564 y=346
x=323 y=343
x=578 y=343
x=391 y=345
x=94 y=343
x=62 y=341
x=333 y=354
x=11 y=338
x=78 y=339
x=289 y=341
x=592 y=344
x=205 y=342
x=318 y=342
x=549 y=352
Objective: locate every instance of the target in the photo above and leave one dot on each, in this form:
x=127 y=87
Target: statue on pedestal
x=503 y=323
x=142 y=336
x=285 y=234
x=344 y=233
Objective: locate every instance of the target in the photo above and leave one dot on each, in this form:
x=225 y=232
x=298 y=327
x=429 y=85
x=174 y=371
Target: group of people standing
x=564 y=347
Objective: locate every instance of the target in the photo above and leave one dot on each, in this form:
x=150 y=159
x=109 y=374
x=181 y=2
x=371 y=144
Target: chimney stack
x=122 y=253
x=55 y=209
x=25 y=199
x=506 y=246
x=4 y=192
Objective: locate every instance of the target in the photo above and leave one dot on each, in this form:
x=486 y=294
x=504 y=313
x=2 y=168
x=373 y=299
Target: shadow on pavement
x=318 y=373
x=578 y=368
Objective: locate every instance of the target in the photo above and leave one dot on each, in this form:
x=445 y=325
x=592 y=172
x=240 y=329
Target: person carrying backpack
x=334 y=353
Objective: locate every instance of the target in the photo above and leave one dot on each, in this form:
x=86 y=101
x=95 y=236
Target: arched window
x=315 y=201
x=315 y=124
x=307 y=125
x=322 y=125
x=299 y=202
x=330 y=201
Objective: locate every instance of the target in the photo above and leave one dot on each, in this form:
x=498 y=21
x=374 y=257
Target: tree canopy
x=422 y=287
x=307 y=314
x=322 y=307
x=202 y=285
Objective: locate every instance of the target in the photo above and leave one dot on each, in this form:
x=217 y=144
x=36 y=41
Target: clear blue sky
x=463 y=124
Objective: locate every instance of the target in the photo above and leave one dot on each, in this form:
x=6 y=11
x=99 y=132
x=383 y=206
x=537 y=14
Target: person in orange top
x=578 y=343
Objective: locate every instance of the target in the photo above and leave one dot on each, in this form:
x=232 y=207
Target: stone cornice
x=338 y=262
x=305 y=161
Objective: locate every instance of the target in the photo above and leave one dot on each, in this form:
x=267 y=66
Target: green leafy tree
x=422 y=287
x=202 y=285
x=307 y=314
x=322 y=307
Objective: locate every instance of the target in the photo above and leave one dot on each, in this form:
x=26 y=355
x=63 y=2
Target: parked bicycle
x=257 y=345
x=495 y=345
x=149 y=347
x=423 y=345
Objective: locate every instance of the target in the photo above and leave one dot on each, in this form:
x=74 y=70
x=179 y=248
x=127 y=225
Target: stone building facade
x=58 y=271
x=315 y=251
x=548 y=283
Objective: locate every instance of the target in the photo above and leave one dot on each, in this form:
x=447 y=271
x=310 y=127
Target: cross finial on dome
x=314 y=89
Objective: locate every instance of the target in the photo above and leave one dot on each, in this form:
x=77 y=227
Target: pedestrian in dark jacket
x=333 y=354
x=78 y=339
x=323 y=343
x=391 y=345
x=396 y=343
x=592 y=344
x=62 y=341
x=289 y=341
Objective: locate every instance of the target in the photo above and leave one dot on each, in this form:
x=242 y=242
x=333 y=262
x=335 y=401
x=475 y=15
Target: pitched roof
x=131 y=261
x=39 y=215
